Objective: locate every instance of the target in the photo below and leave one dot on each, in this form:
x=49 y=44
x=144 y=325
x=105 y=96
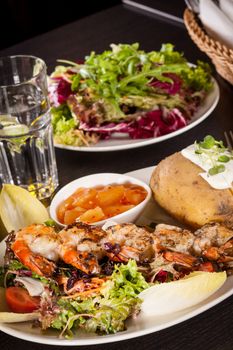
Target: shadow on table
x=23 y=19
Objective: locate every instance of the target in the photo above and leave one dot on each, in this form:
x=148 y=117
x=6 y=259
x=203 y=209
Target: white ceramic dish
x=141 y=325
x=101 y=179
x=121 y=142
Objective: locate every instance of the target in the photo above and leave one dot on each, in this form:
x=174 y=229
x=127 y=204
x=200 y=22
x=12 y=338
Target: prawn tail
x=180 y=258
x=83 y=261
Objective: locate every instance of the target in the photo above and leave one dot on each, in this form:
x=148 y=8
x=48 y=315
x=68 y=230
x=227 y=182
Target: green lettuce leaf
x=64 y=126
x=62 y=119
x=106 y=313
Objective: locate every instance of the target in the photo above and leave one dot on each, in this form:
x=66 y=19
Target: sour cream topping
x=218 y=181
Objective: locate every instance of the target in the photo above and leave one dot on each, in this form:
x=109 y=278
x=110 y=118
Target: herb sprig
x=215 y=153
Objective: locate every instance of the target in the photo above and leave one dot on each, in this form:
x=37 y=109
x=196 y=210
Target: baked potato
x=186 y=196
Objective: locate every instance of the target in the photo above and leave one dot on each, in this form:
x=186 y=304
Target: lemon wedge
x=14 y=130
x=18 y=208
x=166 y=298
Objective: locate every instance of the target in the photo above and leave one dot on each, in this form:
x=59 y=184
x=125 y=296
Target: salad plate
x=143 y=324
x=120 y=141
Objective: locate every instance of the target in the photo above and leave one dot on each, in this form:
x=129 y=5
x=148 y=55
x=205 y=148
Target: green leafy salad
x=104 y=313
x=103 y=308
x=125 y=90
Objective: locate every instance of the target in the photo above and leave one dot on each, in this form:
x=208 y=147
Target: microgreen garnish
x=215 y=153
x=224 y=158
x=210 y=142
x=216 y=169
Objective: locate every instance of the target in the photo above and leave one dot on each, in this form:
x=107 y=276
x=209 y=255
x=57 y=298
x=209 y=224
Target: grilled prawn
x=166 y=244
x=127 y=241
x=81 y=247
x=213 y=241
x=37 y=246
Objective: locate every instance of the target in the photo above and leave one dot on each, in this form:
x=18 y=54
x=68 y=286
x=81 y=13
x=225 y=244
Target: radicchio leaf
x=151 y=124
x=169 y=88
x=59 y=91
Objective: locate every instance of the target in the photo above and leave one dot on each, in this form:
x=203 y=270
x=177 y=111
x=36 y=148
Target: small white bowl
x=101 y=179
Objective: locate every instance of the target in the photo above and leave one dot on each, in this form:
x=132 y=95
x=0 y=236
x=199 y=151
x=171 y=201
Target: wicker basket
x=221 y=56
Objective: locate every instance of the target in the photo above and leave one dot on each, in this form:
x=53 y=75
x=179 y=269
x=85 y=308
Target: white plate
x=141 y=325
x=121 y=141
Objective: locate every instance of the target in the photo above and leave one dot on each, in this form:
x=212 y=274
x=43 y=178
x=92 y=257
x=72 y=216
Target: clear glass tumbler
x=27 y=156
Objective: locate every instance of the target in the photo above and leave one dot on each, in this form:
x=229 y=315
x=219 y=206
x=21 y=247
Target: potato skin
x=186 y=196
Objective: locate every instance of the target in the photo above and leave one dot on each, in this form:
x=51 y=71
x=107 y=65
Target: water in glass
x=27 y=156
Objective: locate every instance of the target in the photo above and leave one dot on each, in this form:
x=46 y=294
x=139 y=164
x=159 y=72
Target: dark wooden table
x=212 y=329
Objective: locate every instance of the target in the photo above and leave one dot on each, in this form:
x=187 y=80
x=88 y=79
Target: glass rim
x=32 y=77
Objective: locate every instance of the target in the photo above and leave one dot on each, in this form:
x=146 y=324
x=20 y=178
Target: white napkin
x=227 y=7
x=217 y=24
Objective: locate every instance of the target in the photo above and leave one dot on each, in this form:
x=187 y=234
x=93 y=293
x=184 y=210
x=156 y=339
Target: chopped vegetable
x=94 y=204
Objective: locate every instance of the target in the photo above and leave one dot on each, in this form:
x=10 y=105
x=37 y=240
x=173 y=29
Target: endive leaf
x=18 y=208
x=170 y=297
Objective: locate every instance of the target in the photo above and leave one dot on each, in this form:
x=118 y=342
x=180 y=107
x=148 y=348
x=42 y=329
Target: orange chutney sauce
x=98 y=203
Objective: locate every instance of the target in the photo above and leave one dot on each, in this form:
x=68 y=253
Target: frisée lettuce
x=106 y=312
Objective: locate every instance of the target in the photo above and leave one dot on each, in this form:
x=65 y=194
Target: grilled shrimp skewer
x=38 y=247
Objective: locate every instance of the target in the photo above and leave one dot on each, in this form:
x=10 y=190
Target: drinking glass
x=27 y=156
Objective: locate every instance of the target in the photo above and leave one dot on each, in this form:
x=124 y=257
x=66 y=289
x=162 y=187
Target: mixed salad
x=125 y=90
